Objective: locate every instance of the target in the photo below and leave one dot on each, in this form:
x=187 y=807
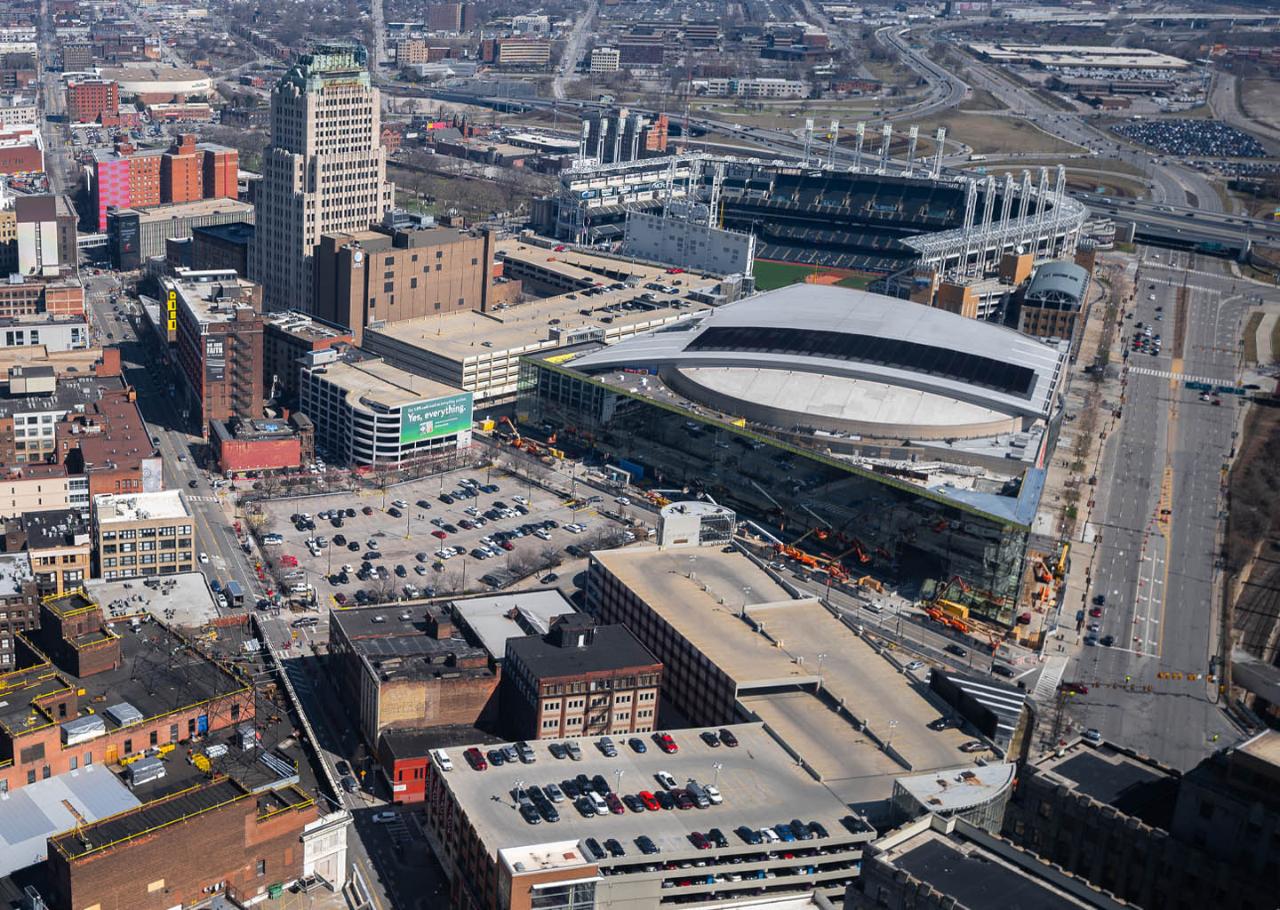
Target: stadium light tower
x=940 y=138
x=886 y=139
x=808 y=140
x=912 y=138
x=835 y=138
x=860 y=132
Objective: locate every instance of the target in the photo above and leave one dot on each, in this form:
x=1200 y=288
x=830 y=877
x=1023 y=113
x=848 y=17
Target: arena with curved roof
x=821 y=358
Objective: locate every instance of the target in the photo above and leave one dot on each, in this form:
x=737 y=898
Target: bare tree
x=549 y=556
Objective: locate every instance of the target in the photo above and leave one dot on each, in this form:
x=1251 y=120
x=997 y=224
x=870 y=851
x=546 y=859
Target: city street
x=1159 y=498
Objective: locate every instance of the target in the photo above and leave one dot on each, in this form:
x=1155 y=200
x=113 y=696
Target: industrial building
x=368 y=413
x=922 y=447
x=135 y=235
x=495 y=860
x=409 y=667
x=579 y=679
x=1073 y=57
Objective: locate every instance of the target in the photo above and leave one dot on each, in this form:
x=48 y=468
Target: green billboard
x=435 y=418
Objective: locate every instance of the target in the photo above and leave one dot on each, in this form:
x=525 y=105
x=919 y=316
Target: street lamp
x=716 y=766
x=617 y=780
x=889 y=741
x=746 y=595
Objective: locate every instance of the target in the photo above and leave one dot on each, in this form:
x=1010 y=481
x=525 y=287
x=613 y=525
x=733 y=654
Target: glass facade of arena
x=881 y=525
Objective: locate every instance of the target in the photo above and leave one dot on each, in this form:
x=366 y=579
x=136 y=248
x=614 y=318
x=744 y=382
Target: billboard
x=435 y=418
x=215 y=359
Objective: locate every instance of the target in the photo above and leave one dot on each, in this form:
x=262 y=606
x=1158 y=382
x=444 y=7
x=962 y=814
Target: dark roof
x=237 y=232
x=611 y=648
x=975 y=882
x=417 y=743
x=35 y=208
x=55 y=528
x=1126 y=785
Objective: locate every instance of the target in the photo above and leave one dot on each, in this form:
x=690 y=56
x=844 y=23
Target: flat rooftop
x=1068 y=55
x=151 y=73
x=113 y=508
x=158 y=673
x=15 y=571
x=492 y=620
x=772 y=644
x=395 y=638
x=299 y=325
x=55 y=528
x=614 y=647
x=1117 y=778
x=67 y=395
x=374 y=378
x=183 y=600
x=196 y=209
x=961 y=788
x=215 y=296
x=761 y=785
x=980 y=872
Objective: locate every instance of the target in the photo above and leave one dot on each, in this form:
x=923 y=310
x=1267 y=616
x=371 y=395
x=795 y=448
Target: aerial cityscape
x=793 y=455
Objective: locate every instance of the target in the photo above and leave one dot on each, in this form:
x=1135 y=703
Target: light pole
x=716 y=766
x=888 y=742
x=617 y=780
x=821 y=658
x=746 y=595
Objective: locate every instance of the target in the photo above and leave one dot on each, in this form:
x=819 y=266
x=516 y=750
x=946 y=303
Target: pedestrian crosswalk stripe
x=1181 y=377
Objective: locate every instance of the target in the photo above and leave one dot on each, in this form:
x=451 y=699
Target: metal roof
x=1062 y=278
x=859 y=335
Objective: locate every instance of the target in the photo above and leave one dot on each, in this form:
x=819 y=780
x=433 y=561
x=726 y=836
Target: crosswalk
x=1050 y=677
x=1180 y=377
x=202 y=499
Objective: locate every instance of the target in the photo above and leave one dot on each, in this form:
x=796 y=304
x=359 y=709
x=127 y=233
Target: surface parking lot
x=406 y=523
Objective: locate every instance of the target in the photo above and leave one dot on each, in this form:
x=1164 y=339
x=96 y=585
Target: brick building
x=130 y=692
x=516 y=53
x=219 y=344
x=124 y=178
x=579 y=679
x=218 y=836
x=107 y=443
x=263 y=444
x=90 y=98
x=58 y=545
x=181 y=171
x=286 y=338
x=392 y=275
x=19 y=604
x=142 y=534
x=222 y=247
x=186 y=172
x=408 y=667
x=28 y=296
x=444 y=17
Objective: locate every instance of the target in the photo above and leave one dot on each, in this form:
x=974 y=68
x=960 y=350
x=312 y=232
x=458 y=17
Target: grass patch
x=771 y=275
x=858 y=282
x=1003 y=135
x=982 y=100
x=1251 y=338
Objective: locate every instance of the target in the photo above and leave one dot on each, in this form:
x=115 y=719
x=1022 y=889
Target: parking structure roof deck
x=365 y=377
x=760 y=783
x=777 y=647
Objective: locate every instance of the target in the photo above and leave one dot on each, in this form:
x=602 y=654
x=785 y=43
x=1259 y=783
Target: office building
x=89 y=99
x=604 y=60
x=286 y=338
x=222 y=247
x=135 y=235
x=46 y=234
x=219 y=345
x=370 y=413
x=324 y=172
x=391 y=275
x=142 y=534
x=409 y=667
x=90 y=695
x=188 y=171
x=34 y=488
x=19 y=605
x=496 y=860
x=579 y=679
x=516 y=53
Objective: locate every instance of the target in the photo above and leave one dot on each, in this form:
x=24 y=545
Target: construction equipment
x=866 y=581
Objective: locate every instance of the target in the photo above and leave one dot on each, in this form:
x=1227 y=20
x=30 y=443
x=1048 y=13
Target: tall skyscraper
x=324 y=171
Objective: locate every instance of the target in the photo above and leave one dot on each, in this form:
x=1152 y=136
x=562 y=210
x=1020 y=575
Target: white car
x=623 y=500
x=542 y=533
x=520 y=499
x=204 y=557
x=713 y=794
x=400 y=504
x=915 y=665
x=381 y=818
x=666 y=780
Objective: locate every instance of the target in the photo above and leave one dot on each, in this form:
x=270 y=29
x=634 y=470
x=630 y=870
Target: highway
x=1156 y=569
x=573 y=48
x=946 y=90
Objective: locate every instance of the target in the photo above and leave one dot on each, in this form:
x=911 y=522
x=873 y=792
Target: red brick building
x=127 y=692
x=181 y=172
x=109 y=444
x=175 y=851
x=88 y=99
x=263 y=444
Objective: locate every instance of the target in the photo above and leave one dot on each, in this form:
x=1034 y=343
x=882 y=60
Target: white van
x=443 y=760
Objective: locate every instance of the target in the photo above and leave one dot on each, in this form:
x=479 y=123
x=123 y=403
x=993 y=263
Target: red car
x=614 y=804
x=666 y=743
x=1074 y=688
x=439 y=534
x=699 y=840
x=507 y=545
x=1096 y=612
x=475 y=758
x=561 y=248
x=650 y=802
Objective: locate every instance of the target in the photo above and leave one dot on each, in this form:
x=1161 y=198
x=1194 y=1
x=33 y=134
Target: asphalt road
x=1157 y=571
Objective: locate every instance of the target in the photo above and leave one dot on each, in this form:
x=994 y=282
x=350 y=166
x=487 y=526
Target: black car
x=1107 y=641
x=956 y=650
x=1002 y=670
x=571 y=788
x=941 y=723
x=400 y=572
x=801 y=830
x=546 y=810
x=584 y=783
x=750 y=835
x=557 y=751
x=496 y=758
x=646 y=845
x=423 y=504
x=354 y=546
x=600 y=785
x=716 y=836
x=633 y=802
x=710 y=739
x=818 y=829
x=1099 y=600
x=339 y=540
x=614 y=848
x=193 y=483
x=394 y=512
x=584 y=807
x=665 y=799
x=446 y=499
x=349 y=784
x=727 y=737
x=351 y=513
x=449 y=529
x=343 y=768
x=637 y=744
x=530 y=814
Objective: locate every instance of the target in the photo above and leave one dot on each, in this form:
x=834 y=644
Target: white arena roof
x=888 y=367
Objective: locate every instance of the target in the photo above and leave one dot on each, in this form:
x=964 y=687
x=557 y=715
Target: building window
x=262 y=867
